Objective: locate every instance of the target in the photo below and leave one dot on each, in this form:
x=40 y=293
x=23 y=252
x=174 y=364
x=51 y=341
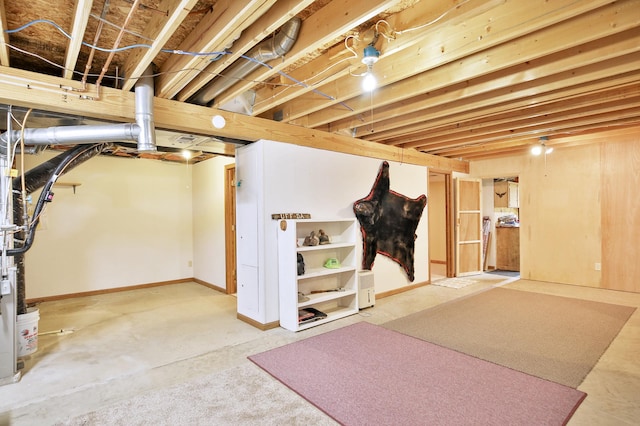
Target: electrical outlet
x=190 y=264
x=597 y=266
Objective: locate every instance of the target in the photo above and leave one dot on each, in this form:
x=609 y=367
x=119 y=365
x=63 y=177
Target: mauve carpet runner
x=556 y=338
x=364 y=374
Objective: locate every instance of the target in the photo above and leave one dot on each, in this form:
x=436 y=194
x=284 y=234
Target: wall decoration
x=388 y=222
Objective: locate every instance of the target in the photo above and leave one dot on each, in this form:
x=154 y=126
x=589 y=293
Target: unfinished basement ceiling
x=466 y=79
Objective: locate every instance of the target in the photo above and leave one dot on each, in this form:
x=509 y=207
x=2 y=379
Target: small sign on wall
x=276 y=216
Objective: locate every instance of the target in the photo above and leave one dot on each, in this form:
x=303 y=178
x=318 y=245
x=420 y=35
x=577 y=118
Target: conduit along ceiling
x=466 y=79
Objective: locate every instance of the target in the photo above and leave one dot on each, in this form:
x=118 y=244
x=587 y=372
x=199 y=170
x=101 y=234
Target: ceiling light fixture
x=218 y=121
x=371 y=56
x=538 y=149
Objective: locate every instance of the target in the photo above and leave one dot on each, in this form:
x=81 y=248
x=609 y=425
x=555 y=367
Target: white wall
x=129 y=223
x=208 y=221
x=326 y=184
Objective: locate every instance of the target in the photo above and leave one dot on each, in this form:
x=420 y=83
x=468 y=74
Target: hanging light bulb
x=369 y=82
x=536 y=150
x=371 y=56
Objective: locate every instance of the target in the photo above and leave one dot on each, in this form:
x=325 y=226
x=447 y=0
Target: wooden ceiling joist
x=159 y=29
x=484 y=49
x=331 y=22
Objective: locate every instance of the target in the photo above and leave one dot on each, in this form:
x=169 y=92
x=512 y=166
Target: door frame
x=230 y=228
x=449 y=234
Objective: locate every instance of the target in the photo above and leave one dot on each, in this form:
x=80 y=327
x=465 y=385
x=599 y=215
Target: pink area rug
x=364 y=374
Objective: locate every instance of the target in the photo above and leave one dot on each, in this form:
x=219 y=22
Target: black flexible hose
x=69 y=160
x=45 y=175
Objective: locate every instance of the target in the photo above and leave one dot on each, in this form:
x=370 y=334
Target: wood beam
x=507 y=113
x=549 y=89
x=32 y=90
x=331 y=22
x=522 y=146
x=501 y=86
x=583 y=116
x=216 y=30
x=78 y=27
x=160 y=28
x=589 y=103
x=518 y=32
x=618 y=118
x=339 y=60
x=278 y=15
x=4 y=37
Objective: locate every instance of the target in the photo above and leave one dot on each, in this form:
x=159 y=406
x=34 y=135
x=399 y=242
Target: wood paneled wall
x=621 y=214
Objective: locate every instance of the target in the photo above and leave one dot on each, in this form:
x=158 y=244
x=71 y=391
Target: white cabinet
x=331 y=290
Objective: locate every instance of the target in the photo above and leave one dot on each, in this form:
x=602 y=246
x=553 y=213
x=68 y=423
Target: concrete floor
x=96 y=352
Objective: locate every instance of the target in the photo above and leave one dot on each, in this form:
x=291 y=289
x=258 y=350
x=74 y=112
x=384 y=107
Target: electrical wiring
x=216 y=55
x=419 y=27
x=305 y=83
x=56 y=26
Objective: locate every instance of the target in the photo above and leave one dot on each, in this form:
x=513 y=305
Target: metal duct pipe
x=272 y=48
x=144 y=112
x=143 y=130
x=74 y=134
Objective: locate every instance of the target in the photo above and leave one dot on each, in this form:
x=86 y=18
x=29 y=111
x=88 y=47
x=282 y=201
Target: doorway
x=501 y=204
x=440 y=226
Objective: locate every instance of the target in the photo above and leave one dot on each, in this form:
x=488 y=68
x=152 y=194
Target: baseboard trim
x=37 y=300
x=258 y=325
x=401 y=290
x=211 y=286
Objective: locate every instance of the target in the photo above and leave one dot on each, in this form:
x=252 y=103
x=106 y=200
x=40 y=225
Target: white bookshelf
x=333 y=291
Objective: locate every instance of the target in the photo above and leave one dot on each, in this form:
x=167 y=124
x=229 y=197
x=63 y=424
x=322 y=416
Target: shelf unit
x=333 y=291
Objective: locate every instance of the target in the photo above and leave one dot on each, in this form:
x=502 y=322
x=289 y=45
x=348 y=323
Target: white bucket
x=27 y=327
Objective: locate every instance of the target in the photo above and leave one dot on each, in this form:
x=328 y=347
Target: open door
x=468 y=211
x=230 y=227
x=441 y=240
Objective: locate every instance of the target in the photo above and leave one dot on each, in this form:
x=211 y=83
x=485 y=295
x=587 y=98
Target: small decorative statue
x=323 y=237
x=311 y=239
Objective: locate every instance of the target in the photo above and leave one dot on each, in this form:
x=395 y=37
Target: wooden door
x=468 y=211
x=230 y=227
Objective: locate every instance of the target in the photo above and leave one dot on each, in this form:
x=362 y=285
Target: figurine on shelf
x=311 y=239
x=323 y=237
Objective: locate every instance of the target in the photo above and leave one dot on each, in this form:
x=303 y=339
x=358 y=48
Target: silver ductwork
x=271 y=48
x=144 y=112
x=75 y=134
x=143 y=130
